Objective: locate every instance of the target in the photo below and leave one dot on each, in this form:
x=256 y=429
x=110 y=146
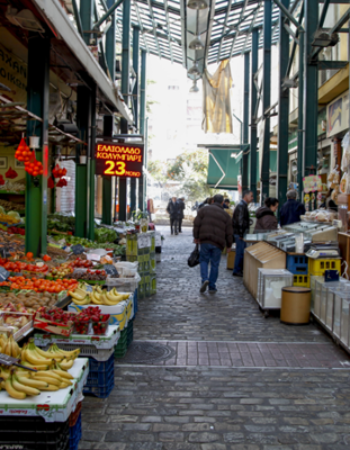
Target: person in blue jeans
x=241 y=224
x=213 y=231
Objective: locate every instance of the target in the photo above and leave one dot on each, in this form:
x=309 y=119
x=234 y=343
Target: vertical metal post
x=108 y=121
x=283 y=112
x=38 y=89
x=86 y=15
x=92 y=165
x=300 y=138
x=125 y=92
x=81 y=170
x=253 y=101
x=143 y=124
x=135 y=99
x=310 y=90
x=266 y=101
x=245 y=159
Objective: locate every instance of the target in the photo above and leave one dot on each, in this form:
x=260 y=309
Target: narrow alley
x=209 y=372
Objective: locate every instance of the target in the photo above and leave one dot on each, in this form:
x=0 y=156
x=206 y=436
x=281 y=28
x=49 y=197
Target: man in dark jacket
x=241 y=224
x=173 y=210
x=213 y=231
x=182 y=206
x=291 y=210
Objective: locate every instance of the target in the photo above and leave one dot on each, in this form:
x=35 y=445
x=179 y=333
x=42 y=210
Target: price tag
x=77 y=249
x=4 y=274
x=93 y=256
x=158 y=240
x=110 y=269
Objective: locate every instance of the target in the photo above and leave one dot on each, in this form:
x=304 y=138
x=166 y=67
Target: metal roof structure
x=168 y=27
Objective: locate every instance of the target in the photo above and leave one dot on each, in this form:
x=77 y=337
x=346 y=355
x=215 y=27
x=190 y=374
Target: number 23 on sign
x=117 y=168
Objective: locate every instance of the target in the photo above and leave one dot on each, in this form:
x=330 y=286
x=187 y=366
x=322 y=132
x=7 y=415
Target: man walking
x=241 y=224
x=292 y=209
x=173 y=210
x=213 y=231
x=182 y=206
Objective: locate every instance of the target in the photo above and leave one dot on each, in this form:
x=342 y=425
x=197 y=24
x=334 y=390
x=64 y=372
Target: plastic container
x=295 y=308
x=130 y=333
x=81 y=325
x=297 y=264
x=101 y=378
x=319 y=266
x=73 y=418
x=101 y=327
x=75 y=434
x=121 y=347
x=301 y=280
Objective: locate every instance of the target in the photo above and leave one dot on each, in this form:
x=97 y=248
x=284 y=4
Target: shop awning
x=224 y=166
x=65 y=31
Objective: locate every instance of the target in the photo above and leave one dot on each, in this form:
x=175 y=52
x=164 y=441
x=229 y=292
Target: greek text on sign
x=121 y=160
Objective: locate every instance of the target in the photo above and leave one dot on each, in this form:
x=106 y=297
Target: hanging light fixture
x=197 y=4
x=194 y=69
x=194 y=88
x=196 y=44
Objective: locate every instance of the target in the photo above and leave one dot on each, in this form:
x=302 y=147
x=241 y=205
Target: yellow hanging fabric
x=217 y=112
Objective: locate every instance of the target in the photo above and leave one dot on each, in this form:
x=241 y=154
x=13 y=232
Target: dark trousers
x=180 y=224
x=240 y=246
x=174 y=223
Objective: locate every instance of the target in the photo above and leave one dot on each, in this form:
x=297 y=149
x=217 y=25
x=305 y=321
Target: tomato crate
x=319 y=266
x=297 y=264
x=75 y=434
x=33 y=433
x=301 y=280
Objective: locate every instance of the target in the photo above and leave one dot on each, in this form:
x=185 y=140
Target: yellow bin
x=295 y=308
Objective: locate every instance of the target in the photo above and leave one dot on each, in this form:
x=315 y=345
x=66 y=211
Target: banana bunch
x=9 y=346
x=80 y=296
x=100 y=296
x=34 y=357
x=19 y=383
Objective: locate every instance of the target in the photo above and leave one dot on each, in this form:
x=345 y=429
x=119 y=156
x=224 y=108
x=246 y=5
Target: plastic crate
x=75 y=415
x=298 y=264
x=319 y=266
x=135 y=303
x=301 y=280
x=100 y=391
x=33 y=433
x=100 y=381
x=141 y=290
x=121 y=347
x=153 y=284
x=75 y=433
x=130 y=333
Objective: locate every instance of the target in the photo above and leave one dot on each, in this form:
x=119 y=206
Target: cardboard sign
x=77 y=249
x=4 y=274
x=110 y=270
x=312 y=183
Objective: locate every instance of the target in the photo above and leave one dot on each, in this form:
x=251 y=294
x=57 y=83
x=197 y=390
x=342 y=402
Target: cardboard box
x=231 y=260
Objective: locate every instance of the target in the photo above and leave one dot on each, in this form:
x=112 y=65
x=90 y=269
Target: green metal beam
x=38 y=90
x=108 y=123
x=287 y=14
x=332 y=65
x=292 y=53
x=323 y=13
x=245 y=159
x=77 y=18
x=143 y=123
x=110 y=43
x=92 y=165
x=86 y=15
x=125 y=92
x=111 y=11
x=266 y=102
x=283 y=113
x=253 y=102
x=301 y=130
x=310 y=90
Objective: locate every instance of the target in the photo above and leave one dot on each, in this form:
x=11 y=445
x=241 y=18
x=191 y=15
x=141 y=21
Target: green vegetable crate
x=121 y=347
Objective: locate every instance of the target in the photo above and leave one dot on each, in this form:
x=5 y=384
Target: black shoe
x=176 y=234
x=180 y=231
x=238 y=274
x=213 y=291
x=204 y=286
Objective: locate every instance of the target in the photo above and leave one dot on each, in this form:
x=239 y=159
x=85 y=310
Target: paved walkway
x=211 y=373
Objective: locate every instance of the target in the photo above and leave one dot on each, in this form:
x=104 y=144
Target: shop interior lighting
x=196 y=44
x=197 y=4
x=325 y=39
x=194 y=88
x=194 y=69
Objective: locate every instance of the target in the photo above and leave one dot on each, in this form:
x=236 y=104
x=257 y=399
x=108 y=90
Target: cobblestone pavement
x=163 y=407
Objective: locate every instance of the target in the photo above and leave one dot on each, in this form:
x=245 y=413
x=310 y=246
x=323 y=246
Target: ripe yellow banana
x=66 y=365
x=32 y=358
x=63 y=374
x=32 y=383
x=50 y=387
x=23 y=388
x=4 y=373
x=49 y=380
x=66 y=353
x=48 y=373
x=65 y=384
x=25 y=363
x=76 y=296
x=12 y=392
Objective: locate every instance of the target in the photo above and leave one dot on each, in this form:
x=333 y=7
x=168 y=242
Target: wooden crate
x=260 y=256
x=344 y=245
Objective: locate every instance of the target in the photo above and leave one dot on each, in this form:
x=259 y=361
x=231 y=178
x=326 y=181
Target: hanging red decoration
x=33 y=167
x=57 y=172
x=23 y=152
x=2 y=181
x=50 y=183
x=11 y=174
x=62 y=183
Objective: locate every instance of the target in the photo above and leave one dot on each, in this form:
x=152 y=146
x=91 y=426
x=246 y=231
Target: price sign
x=121 y=160
x=77 y=249
x=110 y=270
x=4 y=274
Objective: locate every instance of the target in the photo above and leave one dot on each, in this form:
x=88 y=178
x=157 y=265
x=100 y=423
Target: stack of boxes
x=142 y=248
x=298 y=265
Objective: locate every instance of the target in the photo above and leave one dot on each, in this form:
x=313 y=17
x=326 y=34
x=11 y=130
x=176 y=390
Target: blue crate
x=298 y=264
x=75 y=434
x=135 y=303
x=100 y=373
x=100 y=391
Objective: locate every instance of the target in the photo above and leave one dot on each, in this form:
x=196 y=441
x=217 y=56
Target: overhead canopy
x=224 y=167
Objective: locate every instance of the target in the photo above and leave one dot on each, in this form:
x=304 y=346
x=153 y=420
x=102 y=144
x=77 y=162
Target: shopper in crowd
x=266 y=218
x=329 y=203
x=207 y=201
x=241 y=223
x=173 y=210
x=226 y=203
x=213 y=231
x=292 y=209
x=182 y=206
